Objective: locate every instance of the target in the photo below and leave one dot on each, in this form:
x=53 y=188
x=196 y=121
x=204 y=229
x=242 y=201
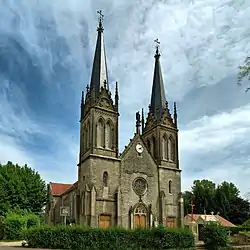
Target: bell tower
x=160 y=134
x=98 y=168
x=160 y=131
x=99 y=113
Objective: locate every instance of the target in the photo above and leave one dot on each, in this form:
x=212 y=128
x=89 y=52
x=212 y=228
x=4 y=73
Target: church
x=139 y=187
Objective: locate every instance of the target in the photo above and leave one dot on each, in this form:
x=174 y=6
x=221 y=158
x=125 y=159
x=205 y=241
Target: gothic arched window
x=109 y=135
x=100 y=135
x=105 y=179
x=154 y=147
x=171 y=149
x=165 y=147
x=170 y=187
x=88 y=135
x=85 y=138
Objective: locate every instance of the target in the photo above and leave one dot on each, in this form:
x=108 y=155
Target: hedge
x=214 y=236
x=1 y=227
x=236 y=230
x=14 y=223
x=65 y=237
x=13 y=229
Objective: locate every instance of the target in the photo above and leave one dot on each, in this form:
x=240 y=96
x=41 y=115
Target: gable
x=133 y=162
x=59 y=188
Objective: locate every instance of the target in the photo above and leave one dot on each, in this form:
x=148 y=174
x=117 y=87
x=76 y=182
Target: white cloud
x=216 y=132
x=216 y=148
x=202 y=42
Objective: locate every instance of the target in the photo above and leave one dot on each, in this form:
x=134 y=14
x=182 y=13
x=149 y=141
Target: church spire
x=99 y=77
x=158 y=97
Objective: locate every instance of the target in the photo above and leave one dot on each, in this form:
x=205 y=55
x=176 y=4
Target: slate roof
x=158 y=97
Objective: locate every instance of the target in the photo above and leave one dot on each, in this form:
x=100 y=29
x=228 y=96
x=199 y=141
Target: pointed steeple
x=99 y=77
x=158 y=97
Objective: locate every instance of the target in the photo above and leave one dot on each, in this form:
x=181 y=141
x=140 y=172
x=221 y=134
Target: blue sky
x=46 y=52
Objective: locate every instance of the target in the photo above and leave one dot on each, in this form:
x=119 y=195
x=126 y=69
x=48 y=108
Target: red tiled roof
x=74 y=186
x=223 y=221
x=59 y=188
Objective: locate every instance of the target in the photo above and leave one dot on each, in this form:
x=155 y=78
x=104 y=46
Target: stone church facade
x=141 y=187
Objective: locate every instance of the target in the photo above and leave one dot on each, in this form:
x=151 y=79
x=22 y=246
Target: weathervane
x=157 y=46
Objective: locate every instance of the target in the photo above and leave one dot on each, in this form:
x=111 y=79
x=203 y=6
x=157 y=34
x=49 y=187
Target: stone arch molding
x=140 y=208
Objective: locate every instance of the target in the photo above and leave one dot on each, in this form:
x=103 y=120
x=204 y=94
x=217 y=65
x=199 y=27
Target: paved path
x=19 y=248
x=15 y=246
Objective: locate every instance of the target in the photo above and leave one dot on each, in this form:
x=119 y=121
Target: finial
x=82 y=101
x=116 y=87
x=116 y=97
x=87 y=88
x=100 y=19
x=142 y=120
x=157 y=53
x=175 y=109
x=175 y=114
x=138 y=122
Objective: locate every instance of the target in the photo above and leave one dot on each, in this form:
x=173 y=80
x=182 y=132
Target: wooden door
x=139 y=221
x=104 y=221
x=170 y=222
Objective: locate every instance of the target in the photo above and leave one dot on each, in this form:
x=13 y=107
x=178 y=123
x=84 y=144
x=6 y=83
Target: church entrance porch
x=139 y=216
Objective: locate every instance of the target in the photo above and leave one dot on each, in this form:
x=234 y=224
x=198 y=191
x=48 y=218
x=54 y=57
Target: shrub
x=32 y=221
x=13 y=228
x=1 y=227
x=215 y=236
x=236 y=230
x=64 y=237
x=246 y=223
x=15 y=222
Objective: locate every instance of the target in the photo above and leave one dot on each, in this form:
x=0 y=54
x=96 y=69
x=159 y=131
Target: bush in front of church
x=66 y=237
x=215 y=236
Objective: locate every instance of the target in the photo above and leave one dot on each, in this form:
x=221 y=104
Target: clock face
x=139 y=148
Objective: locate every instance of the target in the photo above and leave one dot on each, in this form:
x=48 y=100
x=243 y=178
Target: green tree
x=224 y=198
x=239 y=211
x=244 y=71
x=226 y=195
x=203 y=195
x=188 y=198
x=21 y=187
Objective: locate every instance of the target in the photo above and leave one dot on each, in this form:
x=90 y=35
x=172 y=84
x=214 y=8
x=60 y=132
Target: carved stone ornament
x=140 y=186
x=167 y=119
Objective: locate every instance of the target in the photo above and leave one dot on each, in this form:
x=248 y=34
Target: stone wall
x=134 y=165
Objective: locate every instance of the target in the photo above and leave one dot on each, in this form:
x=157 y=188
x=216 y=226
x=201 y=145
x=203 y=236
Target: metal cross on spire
x=100 y=18
x=157 y=46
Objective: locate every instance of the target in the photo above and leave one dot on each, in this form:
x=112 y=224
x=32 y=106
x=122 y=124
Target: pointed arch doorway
x=140 y=216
